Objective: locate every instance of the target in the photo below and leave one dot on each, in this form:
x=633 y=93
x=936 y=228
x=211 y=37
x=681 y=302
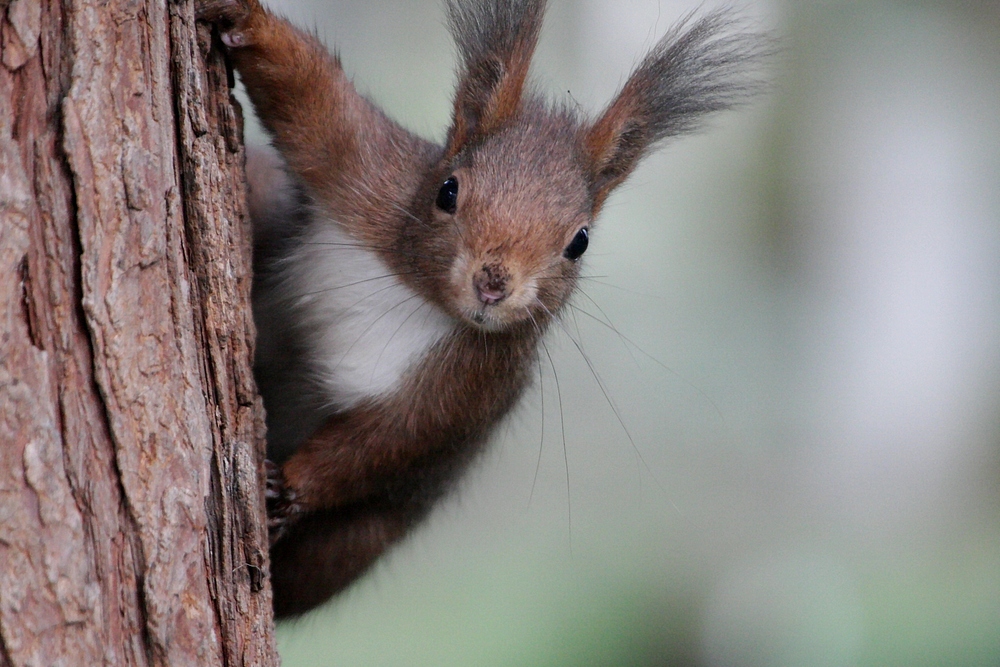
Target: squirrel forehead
x=533 y=171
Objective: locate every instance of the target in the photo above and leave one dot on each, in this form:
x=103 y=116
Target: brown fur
x=530 y=178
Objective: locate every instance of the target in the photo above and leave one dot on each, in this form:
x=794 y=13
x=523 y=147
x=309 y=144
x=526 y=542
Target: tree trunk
x=131 y=518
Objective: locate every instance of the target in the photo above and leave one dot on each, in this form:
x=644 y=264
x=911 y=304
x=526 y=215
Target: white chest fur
x=364 y=327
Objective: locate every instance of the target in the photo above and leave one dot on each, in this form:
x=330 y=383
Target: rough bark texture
x=131 y=524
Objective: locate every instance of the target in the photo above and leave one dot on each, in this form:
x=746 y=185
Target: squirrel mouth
x=496 y=317
x=483 y=318
x=490 y=317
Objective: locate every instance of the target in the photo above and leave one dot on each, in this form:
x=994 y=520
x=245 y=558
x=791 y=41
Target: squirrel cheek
x=460 y=288
x=522 y=294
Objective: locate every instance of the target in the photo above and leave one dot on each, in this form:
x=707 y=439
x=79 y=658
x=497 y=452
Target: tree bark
x=131 y=434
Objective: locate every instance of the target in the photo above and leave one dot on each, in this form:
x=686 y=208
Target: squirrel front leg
x=298 y=89
x=405 y=443
x=357 y=458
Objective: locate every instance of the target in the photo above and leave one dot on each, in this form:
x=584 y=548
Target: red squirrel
x=402 y=287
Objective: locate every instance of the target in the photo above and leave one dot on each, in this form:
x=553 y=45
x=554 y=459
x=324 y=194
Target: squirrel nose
x=491 y=284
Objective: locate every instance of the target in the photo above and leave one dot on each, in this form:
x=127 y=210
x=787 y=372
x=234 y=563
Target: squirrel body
x=319 y=275
x=401 y=287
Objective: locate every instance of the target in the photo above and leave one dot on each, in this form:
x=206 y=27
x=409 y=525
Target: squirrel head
x=513 y=198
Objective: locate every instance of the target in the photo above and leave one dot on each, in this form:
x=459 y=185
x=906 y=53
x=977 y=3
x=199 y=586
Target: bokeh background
x=783 y=445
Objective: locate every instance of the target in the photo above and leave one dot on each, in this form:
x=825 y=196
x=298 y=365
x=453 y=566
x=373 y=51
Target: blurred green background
x=796 y=315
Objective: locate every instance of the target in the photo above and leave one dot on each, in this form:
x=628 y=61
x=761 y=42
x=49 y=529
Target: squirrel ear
x=697 y=68
x=495 y=40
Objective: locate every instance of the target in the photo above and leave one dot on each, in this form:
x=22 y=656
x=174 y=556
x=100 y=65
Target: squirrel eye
x=578 y=245
x=447 y=199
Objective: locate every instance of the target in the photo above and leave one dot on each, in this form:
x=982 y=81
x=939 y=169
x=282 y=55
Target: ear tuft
x=700 y=67
x=495 y=40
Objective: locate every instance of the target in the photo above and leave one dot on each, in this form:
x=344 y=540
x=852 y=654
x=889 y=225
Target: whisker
x=629 y=344
x=562 y=428
x=365 y=246
x=541 y=394
x=607 y=323
x=541 y=437
x=410 y=215
x=657 y=297
x=363 y=281
x=369 y=295
x=568 y=277
x=611 y=404
x=369 y=327
x=576 y=325
x=500 y=447
x=389 y=340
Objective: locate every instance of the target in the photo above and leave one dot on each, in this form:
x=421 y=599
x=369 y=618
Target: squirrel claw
x=282 y=507
x=274 y=480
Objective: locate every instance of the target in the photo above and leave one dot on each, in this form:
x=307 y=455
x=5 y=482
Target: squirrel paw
x=231 y=18
x=282 y=508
